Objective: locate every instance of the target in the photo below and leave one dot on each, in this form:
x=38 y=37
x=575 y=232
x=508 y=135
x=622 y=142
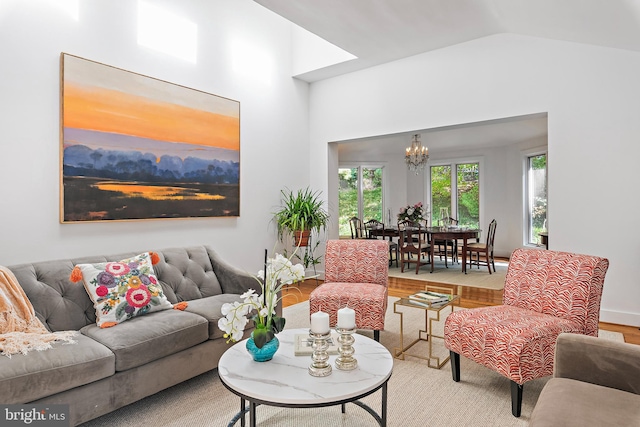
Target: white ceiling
x=494 y=133
x=379 y=31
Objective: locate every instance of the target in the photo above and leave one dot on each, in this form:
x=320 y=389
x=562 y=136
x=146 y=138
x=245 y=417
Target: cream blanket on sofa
x=20 y=330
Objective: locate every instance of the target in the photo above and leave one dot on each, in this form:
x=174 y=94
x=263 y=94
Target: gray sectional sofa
x=113 y=367
x=595 y=382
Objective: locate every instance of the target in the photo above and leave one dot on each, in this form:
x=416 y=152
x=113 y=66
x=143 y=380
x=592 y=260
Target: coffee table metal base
x=253 y=404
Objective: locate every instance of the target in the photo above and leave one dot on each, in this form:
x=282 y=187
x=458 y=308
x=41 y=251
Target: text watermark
x=34 y=415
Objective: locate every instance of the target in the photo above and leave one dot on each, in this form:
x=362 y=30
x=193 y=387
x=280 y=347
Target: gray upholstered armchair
x=595 y=382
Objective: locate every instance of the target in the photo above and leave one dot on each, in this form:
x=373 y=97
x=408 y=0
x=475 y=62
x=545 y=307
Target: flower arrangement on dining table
x=415 y=213
x=261 y=308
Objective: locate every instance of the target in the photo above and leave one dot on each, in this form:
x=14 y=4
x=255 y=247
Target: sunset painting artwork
x=135 y=147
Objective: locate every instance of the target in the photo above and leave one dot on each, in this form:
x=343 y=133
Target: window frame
x=453 y=163
x=526 y=191
x=385 y=186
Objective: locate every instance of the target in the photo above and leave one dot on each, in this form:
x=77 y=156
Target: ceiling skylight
x=311 y=52
x=164 y=31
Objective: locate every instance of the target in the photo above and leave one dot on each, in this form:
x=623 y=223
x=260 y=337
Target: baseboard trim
x=620 y=318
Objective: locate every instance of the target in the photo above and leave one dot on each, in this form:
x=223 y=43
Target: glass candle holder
x=320 y=366
x=345 y=360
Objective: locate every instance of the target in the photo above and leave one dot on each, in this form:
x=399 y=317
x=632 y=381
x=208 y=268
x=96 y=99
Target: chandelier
x=416 y=156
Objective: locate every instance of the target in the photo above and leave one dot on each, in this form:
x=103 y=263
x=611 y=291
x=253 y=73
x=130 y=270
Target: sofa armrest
x=598 y=361
x=232 y=280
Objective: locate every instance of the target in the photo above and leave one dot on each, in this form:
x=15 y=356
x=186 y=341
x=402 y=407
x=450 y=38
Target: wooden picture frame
x=134 y=147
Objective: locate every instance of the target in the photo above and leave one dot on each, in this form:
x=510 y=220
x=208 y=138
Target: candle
x=346 y=318
x=320 y=323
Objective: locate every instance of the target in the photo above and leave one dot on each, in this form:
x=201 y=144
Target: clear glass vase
x=444 y=217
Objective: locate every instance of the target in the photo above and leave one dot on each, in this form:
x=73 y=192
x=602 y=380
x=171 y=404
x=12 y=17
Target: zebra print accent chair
x=356 y=276
x=545 y=293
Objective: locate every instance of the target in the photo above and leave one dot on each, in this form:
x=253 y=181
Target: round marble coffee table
x=284 y=381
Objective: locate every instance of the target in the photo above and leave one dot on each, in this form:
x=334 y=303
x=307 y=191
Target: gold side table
x=427 y=333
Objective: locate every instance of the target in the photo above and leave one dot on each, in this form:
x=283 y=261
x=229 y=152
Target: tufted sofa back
x=184 y=273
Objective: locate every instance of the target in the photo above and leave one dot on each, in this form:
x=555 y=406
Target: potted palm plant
x=301 y=213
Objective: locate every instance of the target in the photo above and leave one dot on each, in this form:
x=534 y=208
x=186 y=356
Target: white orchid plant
x=261 y=308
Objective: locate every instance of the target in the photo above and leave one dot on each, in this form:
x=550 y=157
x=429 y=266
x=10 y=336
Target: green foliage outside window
x=468 y=192
x=348 y=196
x=440 y=191
x=538 y=200
x=469 y=207
x=468 y=195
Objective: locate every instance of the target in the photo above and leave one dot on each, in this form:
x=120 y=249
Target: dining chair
x=413 y=241
x=372 y=227
x=356 y=276
x=376 y=229
x=447 y=244
x=545 y=293
x=484 y=249
x=357 y=228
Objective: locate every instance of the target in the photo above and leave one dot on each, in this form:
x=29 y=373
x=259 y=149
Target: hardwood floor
x=470 y=298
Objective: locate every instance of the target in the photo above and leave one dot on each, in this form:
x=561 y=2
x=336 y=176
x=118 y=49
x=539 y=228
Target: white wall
x=591 y=95
x=273 y=117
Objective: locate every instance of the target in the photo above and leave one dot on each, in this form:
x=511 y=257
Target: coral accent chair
x=356 y=276
x=372 y=226
x=545 y=293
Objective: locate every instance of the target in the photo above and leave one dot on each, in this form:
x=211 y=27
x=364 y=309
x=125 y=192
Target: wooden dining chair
x=357 y=228
x=372 y=227
x=413 y=241
x=484 y=249
x=375 y=229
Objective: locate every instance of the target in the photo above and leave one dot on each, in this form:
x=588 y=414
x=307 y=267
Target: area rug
x=453 y=275
x=417 y=395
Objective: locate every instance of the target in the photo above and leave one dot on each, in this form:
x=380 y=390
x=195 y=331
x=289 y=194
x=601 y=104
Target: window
x=456 y=188
x=360 y=195
x=440 y=192
x=536 y=197
x=468 y=192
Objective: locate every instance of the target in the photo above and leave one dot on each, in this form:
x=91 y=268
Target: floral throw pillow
x=123 y=289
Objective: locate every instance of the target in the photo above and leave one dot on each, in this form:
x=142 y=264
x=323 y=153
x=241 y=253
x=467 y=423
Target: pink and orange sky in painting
x=100 y=98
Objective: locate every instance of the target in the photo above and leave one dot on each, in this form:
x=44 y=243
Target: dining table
x=387 y=231
x=434 y=233
x=455 y=234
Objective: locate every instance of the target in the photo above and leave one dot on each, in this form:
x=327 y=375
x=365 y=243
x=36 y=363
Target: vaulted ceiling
x=379 y=31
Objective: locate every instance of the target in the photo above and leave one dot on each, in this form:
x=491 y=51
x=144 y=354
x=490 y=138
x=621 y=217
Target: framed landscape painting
x=135 y=147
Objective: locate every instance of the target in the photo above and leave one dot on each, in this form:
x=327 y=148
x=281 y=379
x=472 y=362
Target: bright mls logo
x=34 y=415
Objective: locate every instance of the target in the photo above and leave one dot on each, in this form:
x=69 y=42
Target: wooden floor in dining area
x=470 y=298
